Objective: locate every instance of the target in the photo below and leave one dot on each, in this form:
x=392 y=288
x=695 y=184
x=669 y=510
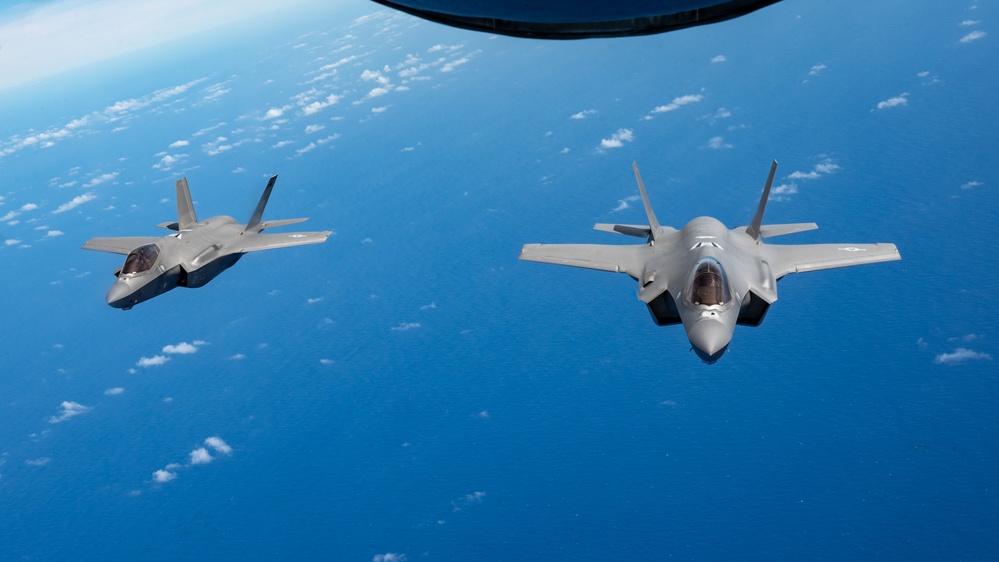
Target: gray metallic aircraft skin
x=706 y=276
x=197 y=253
x=576 y=19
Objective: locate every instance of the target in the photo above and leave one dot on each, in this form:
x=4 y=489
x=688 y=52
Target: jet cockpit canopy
x=140 y=259
x=707 y=285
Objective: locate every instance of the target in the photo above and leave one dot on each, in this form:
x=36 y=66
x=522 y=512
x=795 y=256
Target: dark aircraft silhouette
x=576 y=19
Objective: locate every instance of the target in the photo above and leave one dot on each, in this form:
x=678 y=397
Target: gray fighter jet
x=705 y=276
x=195 y=254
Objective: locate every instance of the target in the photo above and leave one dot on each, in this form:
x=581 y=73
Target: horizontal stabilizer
x=771 y=230
x=636 y=230
x=121 y=245
x=276 y=223
x=169 y=225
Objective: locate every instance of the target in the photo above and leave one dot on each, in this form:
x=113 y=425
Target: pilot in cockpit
x=140 y=259
x=707 y=286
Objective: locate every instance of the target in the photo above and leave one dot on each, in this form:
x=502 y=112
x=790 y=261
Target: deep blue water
x=535 y=412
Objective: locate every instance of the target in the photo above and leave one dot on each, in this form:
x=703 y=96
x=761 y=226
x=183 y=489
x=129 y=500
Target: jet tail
x=185 y=207
x=653 y=222
x=754 y=228
x=254 y=224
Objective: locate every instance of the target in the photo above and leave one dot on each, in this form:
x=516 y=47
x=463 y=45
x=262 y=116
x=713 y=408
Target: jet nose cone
x=118 y=294
x=710 y=339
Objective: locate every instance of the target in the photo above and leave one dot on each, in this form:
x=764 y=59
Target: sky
x=409 y=390
x=42 y=39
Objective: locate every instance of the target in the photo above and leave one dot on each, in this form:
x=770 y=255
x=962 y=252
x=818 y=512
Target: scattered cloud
x=816 y=69
x=180 y=143
x=69 y=409
x=218 y=445
x=11 y=242
x=74 y=203
x=618 y=139
x=405 y=326
x=625 y=203
x=970 y=22
x=41 y=461
x=583 y=114
x=237 y=357
x=314 y=129
x=718 y=58
x=162 y=476
x=901 y=99
x=389 y=557
x=314 y=300
x=182 y=348
x=971 y=184
x=677 y=103
x=961 y=355
x=154 y=361
x=275 y=112
x=28 y=207
x=114 y=391
x=103 y=178
x=973 y=36
x=200 y=456
x=718 y=143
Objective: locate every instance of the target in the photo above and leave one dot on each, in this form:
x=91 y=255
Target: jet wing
x=257 y=242
x=786 y=259
x=122 y=245
x=620 y=259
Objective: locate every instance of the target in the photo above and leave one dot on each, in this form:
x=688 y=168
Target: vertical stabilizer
x=653 y=222
x=185 y=207
x=754 y=228
x=258 y=213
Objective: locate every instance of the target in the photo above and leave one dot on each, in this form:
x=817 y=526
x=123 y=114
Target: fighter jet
x=575 y=19
x=705 y=276
x=196 y=253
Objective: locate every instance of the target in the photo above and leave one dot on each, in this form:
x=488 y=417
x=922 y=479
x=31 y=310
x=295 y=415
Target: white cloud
x=282 y=144
x=625 y=203
x=220 y=446
x=314 y=300
x=275 y=112
x=583 y=114
x=318 y=106
x=974 y=35
x=180 y=143
x=168 y=161
x=406 y=326
x=389 y=557
x=816 y=69
x=70 y=409
x=75 y=202
x=960 y=355
x=970 y=22
x=314 y=129
x=618 y=139
x=201 y=456
x=54 y=233
x=678 y=103
x=718 y=143
x=114 y=391
x=799 y=175
x=894 y=102
x=237 y=357
x=103 y=178
x=11 y=242
x=29 y=207
x=163 y=476
x=41 y=461
x=154 y=361
x=182 y=348
x=718 y=58
x=971 y=184
x=327 y=362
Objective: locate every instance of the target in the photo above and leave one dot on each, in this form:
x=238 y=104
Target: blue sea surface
x=411 y=389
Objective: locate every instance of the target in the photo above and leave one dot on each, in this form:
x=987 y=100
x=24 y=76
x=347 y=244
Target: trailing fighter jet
x=196 y=253
x=576 y=19
x=705 y=276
